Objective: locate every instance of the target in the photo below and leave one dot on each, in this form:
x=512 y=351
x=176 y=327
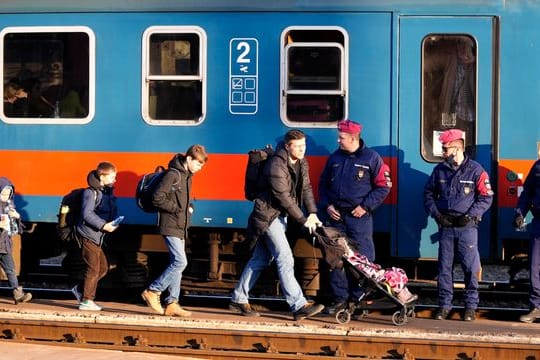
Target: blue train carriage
x=133 y=89
x=134 y=84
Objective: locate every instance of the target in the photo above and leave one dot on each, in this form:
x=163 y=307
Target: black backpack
x=254 y=182
x=69 y=214
x=146 y=188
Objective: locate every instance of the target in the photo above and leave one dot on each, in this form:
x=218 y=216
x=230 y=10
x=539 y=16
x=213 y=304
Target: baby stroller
x=391 y=282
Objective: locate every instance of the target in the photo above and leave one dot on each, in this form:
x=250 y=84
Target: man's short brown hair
x=105 y=168
x=293 y=134
x=197 y=152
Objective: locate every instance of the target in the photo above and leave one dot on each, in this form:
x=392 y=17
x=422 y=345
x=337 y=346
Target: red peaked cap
x=349 y=126
x=450 y=135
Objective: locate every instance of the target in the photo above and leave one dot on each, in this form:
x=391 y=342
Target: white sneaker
x=89 y=305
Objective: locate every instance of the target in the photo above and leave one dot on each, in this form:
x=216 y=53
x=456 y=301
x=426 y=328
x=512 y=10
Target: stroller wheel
x=343 y=316
x=399 y=318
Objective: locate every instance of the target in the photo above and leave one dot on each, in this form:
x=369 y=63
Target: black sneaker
x=307 y=311
x=530 y=317
x=442 y=314
x=335 y=307
x=244 y=309
x=469 y=315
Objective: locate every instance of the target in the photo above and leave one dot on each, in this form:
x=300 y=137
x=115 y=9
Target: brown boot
x=19 y=296
x=153 y=300
x=173 y=309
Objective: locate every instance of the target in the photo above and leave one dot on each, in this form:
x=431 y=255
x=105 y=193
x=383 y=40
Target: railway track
x=236 y=341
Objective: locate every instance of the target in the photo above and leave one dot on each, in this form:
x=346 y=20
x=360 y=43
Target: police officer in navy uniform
x=354 y=182
x=529 y=200
x=456 y=195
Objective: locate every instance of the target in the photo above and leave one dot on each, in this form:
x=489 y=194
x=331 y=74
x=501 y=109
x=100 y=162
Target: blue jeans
x=272 y=245
x=172 y=275
x=8 y=265
x=465 y=241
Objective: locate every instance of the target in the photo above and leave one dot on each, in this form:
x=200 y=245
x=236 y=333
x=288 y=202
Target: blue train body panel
x=385 y=45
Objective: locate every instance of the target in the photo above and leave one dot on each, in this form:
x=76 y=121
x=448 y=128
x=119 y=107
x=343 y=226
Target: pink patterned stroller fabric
x=394 y=278
x=335 y=248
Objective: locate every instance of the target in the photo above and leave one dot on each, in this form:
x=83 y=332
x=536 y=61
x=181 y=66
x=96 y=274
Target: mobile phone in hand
x=117 y=221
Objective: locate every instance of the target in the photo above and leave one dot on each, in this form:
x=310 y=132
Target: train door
x=445 y=81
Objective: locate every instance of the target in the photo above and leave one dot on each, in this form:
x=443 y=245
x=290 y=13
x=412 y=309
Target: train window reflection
x=314 y=76
x=174 y=66
x=48 y=75
x=449 y=90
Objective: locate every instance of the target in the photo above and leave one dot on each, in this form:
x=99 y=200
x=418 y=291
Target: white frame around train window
x=284 y=80
x=91 y=74
x=147 y=77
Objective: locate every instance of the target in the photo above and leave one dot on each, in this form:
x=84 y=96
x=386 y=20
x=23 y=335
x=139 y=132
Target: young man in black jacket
x=171 y=197
x=288 y=189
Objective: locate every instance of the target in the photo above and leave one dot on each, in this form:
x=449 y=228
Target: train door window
x=449 y=91
x=48 y=74
x=174 y=67
x=314 y=73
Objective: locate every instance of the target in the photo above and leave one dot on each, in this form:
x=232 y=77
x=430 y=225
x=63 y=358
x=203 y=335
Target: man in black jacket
x=287 y=177
x=171 y=197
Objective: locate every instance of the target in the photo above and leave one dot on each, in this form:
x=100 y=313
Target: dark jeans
x=96 y=267
x=8 y=265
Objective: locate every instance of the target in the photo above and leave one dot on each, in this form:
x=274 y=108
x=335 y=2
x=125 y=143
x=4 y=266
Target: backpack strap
x=179 y=176
x=96 y=197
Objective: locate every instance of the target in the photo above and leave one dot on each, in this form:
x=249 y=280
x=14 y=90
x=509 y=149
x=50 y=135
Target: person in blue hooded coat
x=9 y=226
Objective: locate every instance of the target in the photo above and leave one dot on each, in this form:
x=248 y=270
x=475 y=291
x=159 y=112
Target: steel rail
x=241 y=344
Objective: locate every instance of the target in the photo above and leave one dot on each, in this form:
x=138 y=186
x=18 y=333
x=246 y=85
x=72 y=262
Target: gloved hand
x=312 y=223
x=519 y=221
x=462 y=220
x=443 y=220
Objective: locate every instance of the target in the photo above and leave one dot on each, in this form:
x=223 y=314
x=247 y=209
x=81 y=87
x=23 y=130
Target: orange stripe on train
x=511 y=175
x=54 y=173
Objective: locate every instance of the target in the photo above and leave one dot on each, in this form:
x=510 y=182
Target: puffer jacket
x=98 y=208
x=6 y=243
x=171 y=197
x=281 y=198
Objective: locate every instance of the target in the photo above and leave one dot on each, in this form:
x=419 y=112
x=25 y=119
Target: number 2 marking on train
x=243 y=76
x=241 y=59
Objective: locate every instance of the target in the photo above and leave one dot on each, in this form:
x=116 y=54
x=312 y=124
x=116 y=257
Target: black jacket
x=171 y=197
x=285 y=195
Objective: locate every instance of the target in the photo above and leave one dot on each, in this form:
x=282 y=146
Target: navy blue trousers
x=359 y=231
x=460 y=245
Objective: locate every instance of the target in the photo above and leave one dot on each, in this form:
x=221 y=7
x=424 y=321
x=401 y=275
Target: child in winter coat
x=10 y=226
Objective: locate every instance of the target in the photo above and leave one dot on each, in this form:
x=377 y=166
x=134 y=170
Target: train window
x=174 y=66
x=48 y=74
x=449 y=91
x=314 y=76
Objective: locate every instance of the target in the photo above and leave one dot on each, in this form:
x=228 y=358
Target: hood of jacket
x=178 y=162
x=92 y=179
x=5 y=182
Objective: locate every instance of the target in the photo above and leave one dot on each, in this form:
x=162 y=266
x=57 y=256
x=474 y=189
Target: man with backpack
x=287 y=189
x=98 y=212
x=172 y=199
